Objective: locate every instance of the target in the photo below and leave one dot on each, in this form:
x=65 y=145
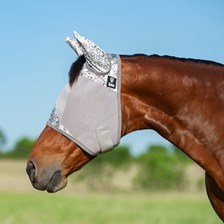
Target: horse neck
x=147 y=96
x=163 y=94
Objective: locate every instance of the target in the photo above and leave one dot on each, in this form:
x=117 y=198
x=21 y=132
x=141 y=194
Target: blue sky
x=34 y=59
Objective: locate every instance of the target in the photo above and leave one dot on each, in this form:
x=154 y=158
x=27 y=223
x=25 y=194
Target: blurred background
x=145 y=179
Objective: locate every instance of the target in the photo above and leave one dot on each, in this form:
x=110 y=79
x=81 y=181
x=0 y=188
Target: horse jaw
x=53 y=158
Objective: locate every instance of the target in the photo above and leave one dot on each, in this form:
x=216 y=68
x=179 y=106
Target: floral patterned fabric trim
x=88 y=72
x=54 y=120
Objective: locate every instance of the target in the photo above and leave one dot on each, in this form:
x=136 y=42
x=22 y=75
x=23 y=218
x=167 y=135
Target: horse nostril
x=31 y=171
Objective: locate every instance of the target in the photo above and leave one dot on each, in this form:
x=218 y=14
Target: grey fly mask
x=88 y=112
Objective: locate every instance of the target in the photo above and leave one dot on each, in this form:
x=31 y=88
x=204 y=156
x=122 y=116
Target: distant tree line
x=20 y=150
x=158 y=168
x=2 y=140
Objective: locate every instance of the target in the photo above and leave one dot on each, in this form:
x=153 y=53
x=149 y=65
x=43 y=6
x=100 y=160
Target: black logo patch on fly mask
x=111 y=82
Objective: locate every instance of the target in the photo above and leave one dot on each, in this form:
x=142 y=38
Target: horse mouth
x=56 y=183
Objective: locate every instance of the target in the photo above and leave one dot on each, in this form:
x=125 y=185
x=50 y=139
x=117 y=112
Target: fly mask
x=88 y=112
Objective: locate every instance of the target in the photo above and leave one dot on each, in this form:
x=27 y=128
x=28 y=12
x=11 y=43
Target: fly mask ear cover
x=89 y=112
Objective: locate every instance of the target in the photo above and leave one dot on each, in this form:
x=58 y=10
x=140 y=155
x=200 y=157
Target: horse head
x=82 y=122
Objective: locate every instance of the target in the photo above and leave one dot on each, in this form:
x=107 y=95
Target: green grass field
x=21 y=204
x=41 y=207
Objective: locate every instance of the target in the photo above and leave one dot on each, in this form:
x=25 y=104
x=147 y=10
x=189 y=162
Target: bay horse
x=181 y=99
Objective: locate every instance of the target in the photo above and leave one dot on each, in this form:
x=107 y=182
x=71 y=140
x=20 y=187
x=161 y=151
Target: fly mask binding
x=89 y=112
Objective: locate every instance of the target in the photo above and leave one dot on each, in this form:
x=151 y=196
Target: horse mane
x=75 y=69
x=207 y=62
x=76 y=66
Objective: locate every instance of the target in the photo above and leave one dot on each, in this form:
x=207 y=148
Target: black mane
x=207 y=62
x=177 y=58
x=75 y=69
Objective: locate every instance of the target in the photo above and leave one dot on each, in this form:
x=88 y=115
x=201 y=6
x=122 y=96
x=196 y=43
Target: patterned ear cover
x=96 y=58
x=75 y=46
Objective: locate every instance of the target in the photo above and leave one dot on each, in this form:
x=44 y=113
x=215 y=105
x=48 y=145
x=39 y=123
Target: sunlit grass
x=40 y=207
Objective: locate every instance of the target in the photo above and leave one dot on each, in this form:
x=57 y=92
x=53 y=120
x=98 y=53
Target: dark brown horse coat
x=181 y=99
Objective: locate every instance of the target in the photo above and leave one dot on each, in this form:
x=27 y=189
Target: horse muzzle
x=51 y=180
